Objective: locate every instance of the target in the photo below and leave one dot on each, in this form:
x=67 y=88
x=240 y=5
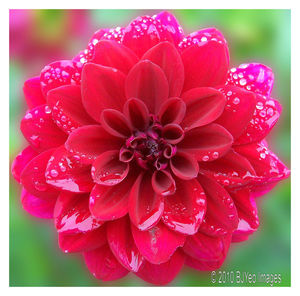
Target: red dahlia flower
x=147 y=151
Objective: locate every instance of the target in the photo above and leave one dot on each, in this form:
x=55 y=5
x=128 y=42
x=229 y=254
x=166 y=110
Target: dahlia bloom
x=148 y=151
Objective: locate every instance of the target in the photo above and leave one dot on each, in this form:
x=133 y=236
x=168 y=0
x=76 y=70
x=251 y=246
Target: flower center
x=149 y=148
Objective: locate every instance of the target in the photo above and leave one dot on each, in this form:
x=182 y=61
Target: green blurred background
x=38 y=37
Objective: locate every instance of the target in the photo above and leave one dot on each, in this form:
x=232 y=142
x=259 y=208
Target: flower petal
x=207 y=143
x=205 y=64
x=203 y=36
x=82 y=242
x=170 y=23
x=173 y=133
x=221 y=215
x=33 y=93
x=254 y=77
x=265 y=116
x=65 y=172
x=163 y=183
x=21 y=161
x=103 y=264
x=90 y=141
x=166 y=56
x=33 y=177
x=172 y=111
x=266 y=164
x=67 y=109
x=38 y=207
x=40 y=130
x=143 y=33
x=203 y=106
x=115 y=123
x=147 y=82
x=204 y=247
x=108 y=170
x=185 y=209
x=145 y=206
x=137 y=113
x=184 y=166
x=113 y=54
x=230 y=170
x=102 y=88
x=111 y=202
x=122 y=244
x=240 y=106
x=59 y=73
x=247 y=212
x=162 y=274
x=157 y=244
x=213 y=264
x=72 y=215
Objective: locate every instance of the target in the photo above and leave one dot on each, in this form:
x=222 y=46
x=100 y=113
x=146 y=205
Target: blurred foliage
x=253 y=35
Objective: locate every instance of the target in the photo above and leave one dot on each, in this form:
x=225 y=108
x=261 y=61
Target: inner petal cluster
x=149 y=148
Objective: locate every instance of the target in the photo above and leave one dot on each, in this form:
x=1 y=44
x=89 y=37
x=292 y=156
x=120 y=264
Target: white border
x=153 y=4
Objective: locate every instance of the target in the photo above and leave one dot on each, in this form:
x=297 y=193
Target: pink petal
x=111 y=202
x=172 y=111
x=202 y=37
x=21 y=161
x=213 y=264
x=143 y=33
x=137 y=113
x=87 y=142
x=86 y=55
x=112 y=54
x=65 y=172
x=147 y=82
x=59 y=73
x=266 y=164
x=122 y=244
x=247 y=212
x=184 y=166
x=108 y=170
x=170 y=23
x=145 y=206
x=204 y=247
x=173 y=133
x=203 y=106
x=254 y=77
x=33 y=177
x=260 y=190
x=157 y=244
x=265 y=116
x=103 y=264
x=166 y=56
x=205 y=64
x=230 y=170
x=102 y=88
x=33 y=93
x=114 y=34
x=162 y=274
x=82 y=242
x=41 y=208
x=207 y=143
x=240 y=106
x=163 y=183
x=40 y=130
x=72 y=214
x=185 y=209
x=115 y=123
x=221 y=215
x=67 y=109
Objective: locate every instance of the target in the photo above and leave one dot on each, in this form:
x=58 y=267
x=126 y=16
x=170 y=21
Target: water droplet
x=243 y=81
